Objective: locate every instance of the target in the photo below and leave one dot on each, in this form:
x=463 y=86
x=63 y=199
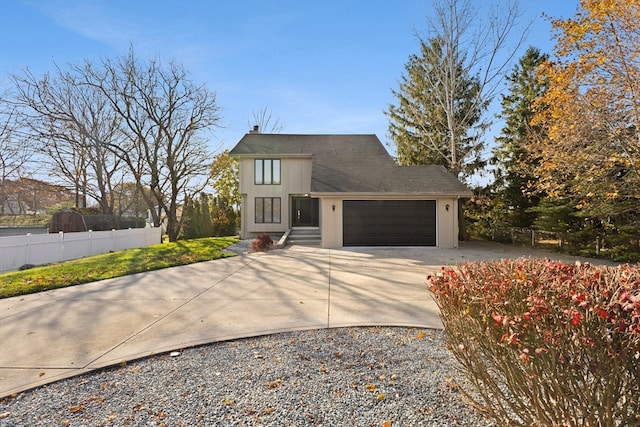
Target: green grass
x=114 y=264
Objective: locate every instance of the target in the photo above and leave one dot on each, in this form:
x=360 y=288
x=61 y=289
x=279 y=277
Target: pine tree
x=512 y=157
x=205 y=216
x=438 y=119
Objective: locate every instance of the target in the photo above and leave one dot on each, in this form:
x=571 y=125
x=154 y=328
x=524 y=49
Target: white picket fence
x=37 y=249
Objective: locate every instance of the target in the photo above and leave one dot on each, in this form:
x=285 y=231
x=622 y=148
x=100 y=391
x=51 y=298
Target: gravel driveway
x=329 y=377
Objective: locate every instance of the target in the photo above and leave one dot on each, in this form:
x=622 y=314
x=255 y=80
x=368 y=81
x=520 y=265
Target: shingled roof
x=352 y=164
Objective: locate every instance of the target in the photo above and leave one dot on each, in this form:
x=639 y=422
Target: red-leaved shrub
x=546 y=343
x=262 y=243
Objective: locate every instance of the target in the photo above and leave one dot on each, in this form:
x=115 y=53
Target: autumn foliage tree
x=225 y=180
x=591 y=114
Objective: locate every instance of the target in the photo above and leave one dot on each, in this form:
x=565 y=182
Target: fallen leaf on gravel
x=267 y=411
x=96 y=399
x=370 y=387
x=386 y=424
x=380 y=397
x=76 y=408
x=451 y=383
x=275 y=383
x=4 y=415
x=138 y=406
x=426 y=411
x=420 y=335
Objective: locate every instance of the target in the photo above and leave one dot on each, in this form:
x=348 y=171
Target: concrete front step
x=307 y=236
x=305 y=231
x=310 y=237
x=299 y=240
x=304 y=242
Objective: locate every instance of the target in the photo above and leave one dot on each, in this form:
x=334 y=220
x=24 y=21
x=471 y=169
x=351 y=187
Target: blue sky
x=323 y=66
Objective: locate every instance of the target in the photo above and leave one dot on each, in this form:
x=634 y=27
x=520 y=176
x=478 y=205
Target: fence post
x=61 y=251
x=28 y=260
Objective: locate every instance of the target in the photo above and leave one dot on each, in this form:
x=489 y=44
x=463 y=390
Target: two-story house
x=346 y=186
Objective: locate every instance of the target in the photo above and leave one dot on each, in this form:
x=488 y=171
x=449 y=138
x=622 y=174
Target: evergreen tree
x=438 y=119
x=197 y=221
x=512 y=157
x=206 y=222
x=187 y=230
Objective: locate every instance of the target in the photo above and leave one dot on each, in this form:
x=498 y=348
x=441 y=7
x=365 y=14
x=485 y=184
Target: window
x=267 y=171
x=267 y=210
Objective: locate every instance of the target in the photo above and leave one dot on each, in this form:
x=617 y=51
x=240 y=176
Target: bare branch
x=263 y=119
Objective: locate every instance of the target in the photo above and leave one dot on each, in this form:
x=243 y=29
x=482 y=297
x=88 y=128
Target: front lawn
x=114 y=264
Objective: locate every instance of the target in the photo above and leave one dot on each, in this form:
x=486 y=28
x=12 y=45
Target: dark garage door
x=389 y=222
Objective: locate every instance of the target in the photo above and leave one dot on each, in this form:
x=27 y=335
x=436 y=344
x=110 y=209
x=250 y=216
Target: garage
x=389 y=223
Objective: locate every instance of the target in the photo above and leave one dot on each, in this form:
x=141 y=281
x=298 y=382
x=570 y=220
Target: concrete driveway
x=61 y=333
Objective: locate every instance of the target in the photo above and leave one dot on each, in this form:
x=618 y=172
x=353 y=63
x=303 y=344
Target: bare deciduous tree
x=74 y=125
x=164 y=116
x=16 y=151
x=263 y=118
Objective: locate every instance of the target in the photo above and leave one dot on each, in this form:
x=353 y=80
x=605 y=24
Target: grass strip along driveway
x=114 y=264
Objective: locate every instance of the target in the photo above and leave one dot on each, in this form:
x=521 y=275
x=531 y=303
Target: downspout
x=456 y=225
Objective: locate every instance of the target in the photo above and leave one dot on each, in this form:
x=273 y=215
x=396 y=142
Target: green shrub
x=546 y=343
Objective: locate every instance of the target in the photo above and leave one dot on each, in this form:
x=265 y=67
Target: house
x=348 y=188
x=12 y=206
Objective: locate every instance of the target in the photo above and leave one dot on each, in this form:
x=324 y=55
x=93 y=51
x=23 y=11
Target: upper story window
x=267 y=171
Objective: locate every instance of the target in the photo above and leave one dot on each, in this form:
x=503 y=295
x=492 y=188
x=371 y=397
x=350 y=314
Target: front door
x=304 y=212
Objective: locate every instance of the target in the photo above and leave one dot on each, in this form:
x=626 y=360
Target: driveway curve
x=66 y=332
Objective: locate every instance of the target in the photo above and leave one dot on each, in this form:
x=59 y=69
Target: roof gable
x=352 y=164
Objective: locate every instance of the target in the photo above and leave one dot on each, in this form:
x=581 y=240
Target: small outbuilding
x=76 y=220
